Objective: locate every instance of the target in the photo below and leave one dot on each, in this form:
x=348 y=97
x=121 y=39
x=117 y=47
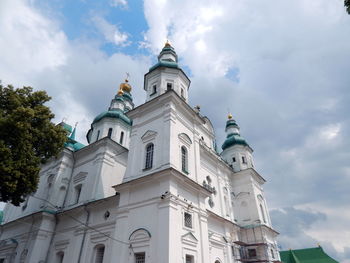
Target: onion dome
x=120 y=92
x=125 y=86
x=233 y=135
x=114 y=113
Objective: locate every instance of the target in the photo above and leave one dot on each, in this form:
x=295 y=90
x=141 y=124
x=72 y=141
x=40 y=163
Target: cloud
x=111 y=33
x=36 y=52
x=281 y=68
x=119 y=3
x=306 y=227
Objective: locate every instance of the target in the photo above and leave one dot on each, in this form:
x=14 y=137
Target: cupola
x=166 y=75
x=236 y=151
x=114 y=123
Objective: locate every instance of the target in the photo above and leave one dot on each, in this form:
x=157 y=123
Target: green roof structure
x=307 y=255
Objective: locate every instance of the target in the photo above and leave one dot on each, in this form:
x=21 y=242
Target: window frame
x=149 y=156
x=184 y=159
x=142 y=254
x=185 y=220
x=77 y=193
x=97 y=250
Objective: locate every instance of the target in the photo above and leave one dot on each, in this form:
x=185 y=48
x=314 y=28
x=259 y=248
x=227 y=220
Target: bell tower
x=236 y=151
x=166 y=75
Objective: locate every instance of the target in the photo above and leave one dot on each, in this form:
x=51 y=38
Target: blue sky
x=281 y=67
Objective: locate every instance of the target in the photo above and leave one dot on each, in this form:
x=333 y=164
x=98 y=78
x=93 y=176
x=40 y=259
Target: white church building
x=150 y=187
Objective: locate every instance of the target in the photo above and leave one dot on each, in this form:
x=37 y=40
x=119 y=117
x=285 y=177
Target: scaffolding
x=252 y=246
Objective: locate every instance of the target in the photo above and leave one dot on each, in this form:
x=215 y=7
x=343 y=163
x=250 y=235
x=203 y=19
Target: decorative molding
x=189 y=239
x=185 y=139
x=62 y=245
x=79 y=177
x=99 y=237
x=140 y=234
x=148 y=136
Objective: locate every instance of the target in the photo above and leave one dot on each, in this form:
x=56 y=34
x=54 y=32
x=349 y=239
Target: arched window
x=149 y=156
x=99 y=253
x=59 y=257
x=262 y=213
x=110 y=130
x=121 y=137
x=184 y=159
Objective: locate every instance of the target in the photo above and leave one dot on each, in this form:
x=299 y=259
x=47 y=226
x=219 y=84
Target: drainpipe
x=84 y=235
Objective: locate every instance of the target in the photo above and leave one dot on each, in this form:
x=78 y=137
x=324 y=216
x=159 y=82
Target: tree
x=28 y=138
x=347 y=5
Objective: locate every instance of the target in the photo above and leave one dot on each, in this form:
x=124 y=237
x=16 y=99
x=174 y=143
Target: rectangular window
x=169 y=86
x=252 y=253
x=244 y=160
x=77 y=193
x=272 y=254
x=140 y=257
x=189 y=259
x=154 y=90
x=234 y=159
x=188 y=220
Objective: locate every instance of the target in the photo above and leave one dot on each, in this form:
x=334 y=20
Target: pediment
x=149 y=135
x=185 y=139
x=189 y=239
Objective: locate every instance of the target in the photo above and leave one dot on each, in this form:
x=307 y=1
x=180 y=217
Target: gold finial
x=167 y=43
x=229 y=116
x=120 y=92
x=125 y=87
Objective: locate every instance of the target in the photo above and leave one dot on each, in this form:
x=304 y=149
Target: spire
x=72 y=136
x=233 y=134
x=167 y=54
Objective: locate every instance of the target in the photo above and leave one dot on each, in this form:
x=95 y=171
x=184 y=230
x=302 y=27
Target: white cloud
x=281 y=67
x=110 y=32
x=29 y=42
x=119 y=3
x=36 y=52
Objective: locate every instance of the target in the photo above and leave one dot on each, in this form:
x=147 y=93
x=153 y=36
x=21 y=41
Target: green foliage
x=28 y=138
x=347 y=5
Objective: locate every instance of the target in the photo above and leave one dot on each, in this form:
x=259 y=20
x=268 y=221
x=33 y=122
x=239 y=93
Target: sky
x=282 y=68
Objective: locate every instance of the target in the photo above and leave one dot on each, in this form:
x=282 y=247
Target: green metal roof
x=234 y=139
x=307 y=255
x=116 y=113
x=163 y=63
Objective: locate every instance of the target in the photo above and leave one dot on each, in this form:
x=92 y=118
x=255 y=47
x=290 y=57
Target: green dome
x=233 y=139
x=117 y=114
x=164 y=63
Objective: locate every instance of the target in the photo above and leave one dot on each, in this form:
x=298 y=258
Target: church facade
x=150 y=186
